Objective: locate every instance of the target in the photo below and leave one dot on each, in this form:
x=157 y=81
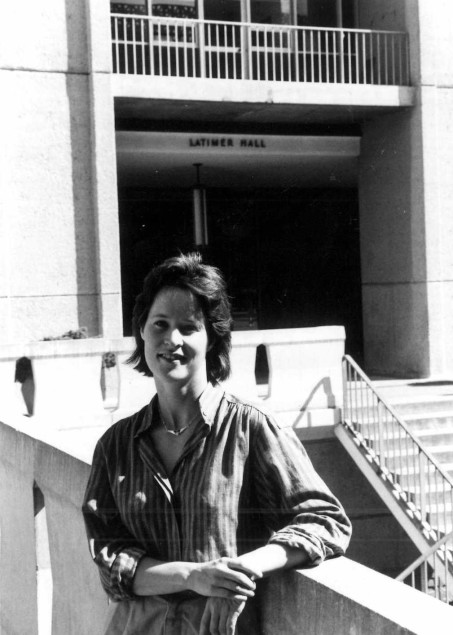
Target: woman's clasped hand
x=223 y=578
x=229 y=584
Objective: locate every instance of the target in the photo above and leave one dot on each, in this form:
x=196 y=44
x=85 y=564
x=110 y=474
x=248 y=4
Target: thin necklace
x=176 y=433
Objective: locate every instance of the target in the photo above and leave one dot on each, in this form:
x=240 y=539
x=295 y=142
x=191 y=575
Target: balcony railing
x=172 y=47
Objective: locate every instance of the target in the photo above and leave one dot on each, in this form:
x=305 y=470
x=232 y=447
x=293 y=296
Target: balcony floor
x=253 y=102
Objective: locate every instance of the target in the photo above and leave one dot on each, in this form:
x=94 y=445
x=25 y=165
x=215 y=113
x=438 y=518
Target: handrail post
x=245 y=66
x=341 y=52
x=201 y=48
x=346 y=413
x=380 y=439
x=422 y=464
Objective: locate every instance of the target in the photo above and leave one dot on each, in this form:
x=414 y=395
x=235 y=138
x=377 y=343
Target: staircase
x=427 y=409
x=406 y=453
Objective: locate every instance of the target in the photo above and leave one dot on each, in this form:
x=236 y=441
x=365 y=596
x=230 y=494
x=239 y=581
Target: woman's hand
x=220 y=616
x=218 y=579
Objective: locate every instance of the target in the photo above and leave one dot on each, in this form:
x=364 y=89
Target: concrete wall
x=50 y=271
x=406 y=195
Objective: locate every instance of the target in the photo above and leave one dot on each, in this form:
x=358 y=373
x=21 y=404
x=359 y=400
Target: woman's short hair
x=206 y=282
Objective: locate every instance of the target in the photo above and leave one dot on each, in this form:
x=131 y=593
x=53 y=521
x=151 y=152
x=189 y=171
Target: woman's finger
x=237 y=577
x=252 y=572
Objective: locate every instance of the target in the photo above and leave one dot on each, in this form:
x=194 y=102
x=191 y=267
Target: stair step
x=423 y=406
x=433 y=438
x=430 y=421
x=442 y=454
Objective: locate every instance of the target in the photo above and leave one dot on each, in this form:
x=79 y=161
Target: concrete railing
x=74 y=389
x=49 y=584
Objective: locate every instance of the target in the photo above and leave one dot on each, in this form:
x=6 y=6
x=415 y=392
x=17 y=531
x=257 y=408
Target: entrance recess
x=282 y=223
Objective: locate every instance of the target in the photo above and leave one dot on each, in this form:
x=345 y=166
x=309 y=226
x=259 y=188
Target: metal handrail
x=420 y=483
x=146 y=45
x=255 y=24
x=397 y=451
x=424 y=556
x=432 y=571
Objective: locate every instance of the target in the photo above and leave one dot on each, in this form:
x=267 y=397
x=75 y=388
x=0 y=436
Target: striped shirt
x=241 y=482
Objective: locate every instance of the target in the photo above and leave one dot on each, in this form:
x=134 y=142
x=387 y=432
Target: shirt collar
x=208 y=401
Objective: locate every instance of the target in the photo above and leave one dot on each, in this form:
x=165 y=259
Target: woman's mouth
x=171 y=357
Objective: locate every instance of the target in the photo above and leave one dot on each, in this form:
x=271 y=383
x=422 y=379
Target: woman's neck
x=179 y=404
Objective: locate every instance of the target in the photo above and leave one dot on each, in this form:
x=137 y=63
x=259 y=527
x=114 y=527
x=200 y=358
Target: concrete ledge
x=252 y=91
x=341 y=597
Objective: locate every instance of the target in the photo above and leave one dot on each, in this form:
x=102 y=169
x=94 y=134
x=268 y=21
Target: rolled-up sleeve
x=296 y=504
x=112 y=547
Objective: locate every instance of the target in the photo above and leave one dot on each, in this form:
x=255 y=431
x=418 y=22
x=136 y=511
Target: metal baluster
x=349 y=58
x=386 y=61
x=233 y=31
x=185 y=48
x=209 y=50
x=393 y=61
x=364 y=58
x=304 y=54
x=371 y=59
x=126 y=52
x=407 y=58
x=217 y=55
x=422 y=481
x=134 y=45
x=296 y=37
x=327 y=54
x=117 y=47
x=319 y=57
x=335 y=57
x=193 y=49
x=272 y=49
x=201 y=48
x=142 y=38
x=379 y=57
x=312 y=55
x=177 y=46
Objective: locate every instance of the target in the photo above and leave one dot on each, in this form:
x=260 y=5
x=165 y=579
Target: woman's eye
x=160 y=324
x=190 y=328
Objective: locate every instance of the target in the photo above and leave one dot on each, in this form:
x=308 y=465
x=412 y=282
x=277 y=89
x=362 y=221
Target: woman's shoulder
x=256 y=412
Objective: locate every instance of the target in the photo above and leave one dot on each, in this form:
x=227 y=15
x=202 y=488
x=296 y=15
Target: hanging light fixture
x=200 y=219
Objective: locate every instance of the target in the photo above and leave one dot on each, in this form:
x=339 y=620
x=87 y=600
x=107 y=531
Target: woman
x=198 y=494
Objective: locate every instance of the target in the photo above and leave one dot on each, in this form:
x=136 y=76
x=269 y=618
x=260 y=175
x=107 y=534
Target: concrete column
x=406 y=199
x=103 y=166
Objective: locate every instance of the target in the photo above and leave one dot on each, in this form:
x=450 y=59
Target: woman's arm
x=213 y=579
x=270 y=558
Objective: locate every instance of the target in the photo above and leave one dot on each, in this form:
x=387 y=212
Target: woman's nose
x=174 y=338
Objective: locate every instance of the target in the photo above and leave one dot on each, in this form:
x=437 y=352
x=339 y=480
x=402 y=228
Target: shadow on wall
x=24 y=376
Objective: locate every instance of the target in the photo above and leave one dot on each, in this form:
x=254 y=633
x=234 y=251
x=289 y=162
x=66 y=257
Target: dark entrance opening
x=291 y=257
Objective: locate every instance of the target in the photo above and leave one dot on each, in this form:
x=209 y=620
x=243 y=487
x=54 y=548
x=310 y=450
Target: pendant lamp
x=200 y=220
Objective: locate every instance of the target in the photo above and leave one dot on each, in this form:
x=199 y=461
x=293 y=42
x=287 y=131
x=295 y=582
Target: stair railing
x=417 y=480
x=424 y=573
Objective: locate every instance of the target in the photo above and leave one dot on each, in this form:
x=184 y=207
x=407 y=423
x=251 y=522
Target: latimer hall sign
x=226 y=142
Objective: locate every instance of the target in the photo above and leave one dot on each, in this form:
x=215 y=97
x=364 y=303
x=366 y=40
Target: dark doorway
x=291 y=257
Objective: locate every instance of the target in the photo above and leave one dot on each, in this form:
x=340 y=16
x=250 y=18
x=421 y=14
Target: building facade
x=304 y=146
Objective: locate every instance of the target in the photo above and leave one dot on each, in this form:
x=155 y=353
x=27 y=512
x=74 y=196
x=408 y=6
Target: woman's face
x=175 y=338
